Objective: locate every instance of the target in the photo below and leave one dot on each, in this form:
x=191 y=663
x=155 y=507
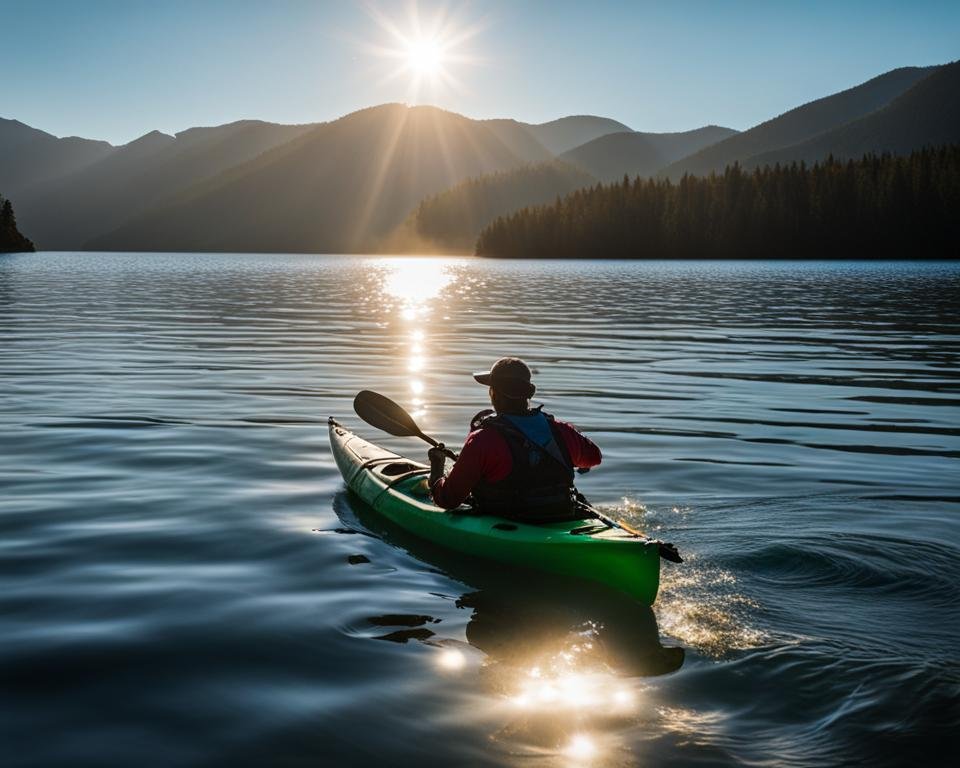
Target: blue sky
x=115 y=69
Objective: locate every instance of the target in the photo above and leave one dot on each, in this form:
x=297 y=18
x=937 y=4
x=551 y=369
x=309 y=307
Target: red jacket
x=486 y=456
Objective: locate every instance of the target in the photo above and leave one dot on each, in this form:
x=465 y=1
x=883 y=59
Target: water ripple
x=180 y=586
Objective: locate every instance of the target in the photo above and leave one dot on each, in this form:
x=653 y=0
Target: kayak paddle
x=381 y=412
x=668 y=551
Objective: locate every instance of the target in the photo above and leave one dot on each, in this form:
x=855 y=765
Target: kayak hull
x=396 y=488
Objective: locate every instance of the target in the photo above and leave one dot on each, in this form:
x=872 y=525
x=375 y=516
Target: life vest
x=539 y=487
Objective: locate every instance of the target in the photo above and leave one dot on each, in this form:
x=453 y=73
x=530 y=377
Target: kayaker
x=517 y=462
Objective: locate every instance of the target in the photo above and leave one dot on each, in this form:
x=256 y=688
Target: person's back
x=517 y=462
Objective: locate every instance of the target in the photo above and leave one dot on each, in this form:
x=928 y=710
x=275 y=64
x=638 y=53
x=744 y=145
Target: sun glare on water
x=581 y=747
x=415 y=282
x=410 y=290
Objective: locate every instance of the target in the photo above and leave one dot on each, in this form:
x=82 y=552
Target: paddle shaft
x=383 y=413
x=667 y=551
x=427 y=439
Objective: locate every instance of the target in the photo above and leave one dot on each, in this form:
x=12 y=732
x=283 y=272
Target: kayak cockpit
x=397 y=468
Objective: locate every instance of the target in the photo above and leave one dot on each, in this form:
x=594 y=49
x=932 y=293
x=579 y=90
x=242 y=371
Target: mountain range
x=96 y=197
x=344 y=186
x=801 y=124
x=928 y=114
x=28 y=156
x=614 y=155
x=395 y=177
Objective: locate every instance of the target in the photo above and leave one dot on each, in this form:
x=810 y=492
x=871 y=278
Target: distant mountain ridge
x=390 y=157
x=536 y=143
x=926 y=115
x=381 y=177
x=614 y=155
x=341 y=187
x=802 y=123
x=28 y=155
x=65 y=212
x=562 y=135
x=519 y=139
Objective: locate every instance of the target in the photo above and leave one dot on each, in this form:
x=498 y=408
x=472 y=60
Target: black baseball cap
x=509 y=376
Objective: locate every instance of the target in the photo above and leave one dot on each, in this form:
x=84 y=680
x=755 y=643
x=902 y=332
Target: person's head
x=510 y=385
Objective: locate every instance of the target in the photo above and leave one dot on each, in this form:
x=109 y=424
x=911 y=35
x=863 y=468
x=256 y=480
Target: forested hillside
x=452 y=219
x=876 y=207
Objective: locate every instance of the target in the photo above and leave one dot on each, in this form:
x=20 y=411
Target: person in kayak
x=517 y=462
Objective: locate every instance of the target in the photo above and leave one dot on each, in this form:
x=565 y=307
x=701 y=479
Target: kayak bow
x=396 y=487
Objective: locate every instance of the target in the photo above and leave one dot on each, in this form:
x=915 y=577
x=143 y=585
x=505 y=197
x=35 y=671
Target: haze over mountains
x=68 y=211
x=344 y=186
x=357 y=183
x=609 y=157
x=452 y=219
x=538 y=143
x=559 y=136
x=28 y=155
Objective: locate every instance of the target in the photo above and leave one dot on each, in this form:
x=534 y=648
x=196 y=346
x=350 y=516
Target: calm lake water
x=185 y=582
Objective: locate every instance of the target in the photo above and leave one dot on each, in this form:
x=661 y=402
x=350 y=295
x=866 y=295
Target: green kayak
x=396 y=487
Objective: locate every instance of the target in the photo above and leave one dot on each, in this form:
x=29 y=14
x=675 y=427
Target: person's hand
x=438 y=457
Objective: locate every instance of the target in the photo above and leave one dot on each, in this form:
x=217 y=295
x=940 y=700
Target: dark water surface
x=185 y=582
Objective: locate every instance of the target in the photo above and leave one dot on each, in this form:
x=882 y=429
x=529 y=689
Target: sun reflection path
x=568 y=702
x=581 y=747
x=414 y=281
x=452 y=660
x=573 y=714
x=413 y=285
x=574 y=691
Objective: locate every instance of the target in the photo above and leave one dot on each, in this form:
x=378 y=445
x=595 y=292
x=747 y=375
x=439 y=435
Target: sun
x=424 y=50
x=425 y=56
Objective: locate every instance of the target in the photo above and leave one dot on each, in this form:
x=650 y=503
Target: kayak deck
x=396 y=487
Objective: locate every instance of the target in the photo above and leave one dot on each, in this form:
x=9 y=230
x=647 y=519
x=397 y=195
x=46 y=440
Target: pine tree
x=10 y=238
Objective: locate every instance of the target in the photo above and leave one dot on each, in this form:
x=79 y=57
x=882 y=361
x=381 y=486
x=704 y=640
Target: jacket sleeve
x=451 y=491
x=583 y=452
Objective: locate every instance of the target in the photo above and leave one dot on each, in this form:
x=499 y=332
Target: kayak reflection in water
x=579 y=628
x=517 y=462
x=564 y=660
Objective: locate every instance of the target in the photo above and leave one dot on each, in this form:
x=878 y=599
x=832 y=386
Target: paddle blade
x=669 y=552
x=381 y=412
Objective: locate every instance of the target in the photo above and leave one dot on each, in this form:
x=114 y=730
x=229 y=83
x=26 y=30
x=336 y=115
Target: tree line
x=881 y=206
x=455 y=217
x=10 y=238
